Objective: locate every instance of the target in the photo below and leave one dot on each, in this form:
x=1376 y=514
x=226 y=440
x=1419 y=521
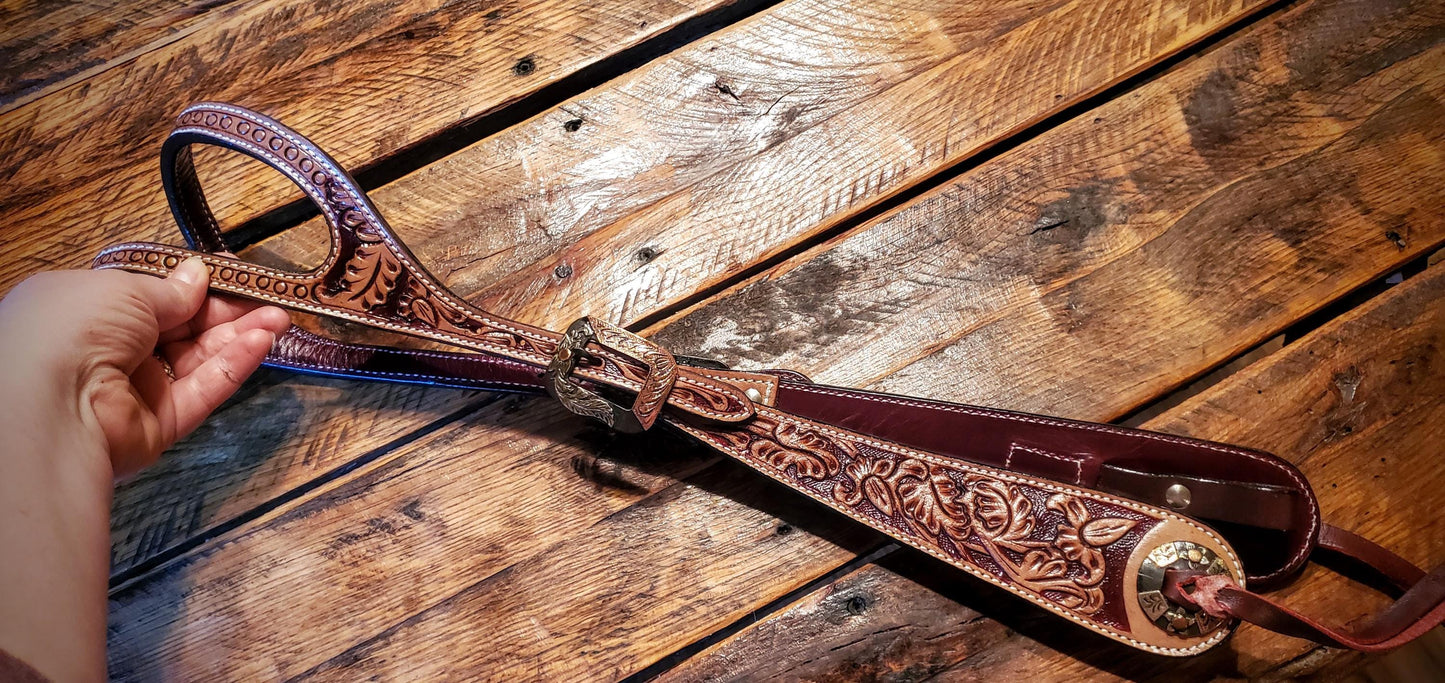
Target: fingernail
x=273 y=342
x=191 y=271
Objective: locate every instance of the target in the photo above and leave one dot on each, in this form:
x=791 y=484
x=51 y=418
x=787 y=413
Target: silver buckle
x=661 y=375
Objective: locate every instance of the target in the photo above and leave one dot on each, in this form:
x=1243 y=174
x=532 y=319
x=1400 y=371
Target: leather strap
x=1097 y=456
x=1065 y=514
x=1420 y=608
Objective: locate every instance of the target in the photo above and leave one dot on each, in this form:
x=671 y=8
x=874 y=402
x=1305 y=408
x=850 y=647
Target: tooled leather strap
x=368 y=276
x=1222 y=482
x=1095 y=558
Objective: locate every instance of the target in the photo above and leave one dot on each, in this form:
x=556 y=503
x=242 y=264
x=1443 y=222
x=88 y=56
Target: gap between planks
x=944 y=175
x=448 y=141
x=1389 y=666
x=1330 y=311
x=1146 y=65
x=1207 y=378
x=120 y=580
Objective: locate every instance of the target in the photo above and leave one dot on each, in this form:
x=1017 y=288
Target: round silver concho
x=1175 y=619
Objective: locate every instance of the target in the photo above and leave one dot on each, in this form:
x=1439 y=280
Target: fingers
x=215 y=311
x=188 y=354
x=178 y=298
x=202 y=390
x=144 y=445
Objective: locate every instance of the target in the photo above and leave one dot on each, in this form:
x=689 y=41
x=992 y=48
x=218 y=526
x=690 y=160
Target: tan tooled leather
x=1018 y=512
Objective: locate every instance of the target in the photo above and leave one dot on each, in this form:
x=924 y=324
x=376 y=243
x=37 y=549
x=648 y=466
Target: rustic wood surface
x=809 y=184
x=471 y=245
x=79 y=164
x=1329 y=401
x=643 y=205
x=46 y=45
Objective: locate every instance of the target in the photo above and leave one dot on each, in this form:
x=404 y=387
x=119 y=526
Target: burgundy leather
x=1398 y=570
x=1229 y=483
x=1051 y=509
x=304 y=351
x=1260 y=490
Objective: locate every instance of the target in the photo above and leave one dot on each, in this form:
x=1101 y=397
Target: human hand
x=141 y=360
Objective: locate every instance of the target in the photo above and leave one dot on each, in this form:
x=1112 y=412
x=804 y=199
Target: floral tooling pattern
x=957 y=507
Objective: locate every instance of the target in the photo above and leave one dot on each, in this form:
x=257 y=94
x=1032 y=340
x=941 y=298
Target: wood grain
x=48 y=44
x=79 y=164
x=872 y=58
x=1333 y=402
x=599 y=625
x=279 y=433
x=405 y=533
x=1209 y=209
x=475 y=620
x=694 y=168
x=1339 y=38
x=307 y=60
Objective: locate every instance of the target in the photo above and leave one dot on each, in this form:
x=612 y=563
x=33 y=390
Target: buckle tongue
x=661 y=375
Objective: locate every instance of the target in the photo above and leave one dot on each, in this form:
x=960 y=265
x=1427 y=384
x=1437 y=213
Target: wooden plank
x=600 y=625
x=405 y=533
x=1347 y=153
x=46 y=45
x=79 y=164
x=696 y=167
x=280 y=432
x=871 y=60
x=188 y=493
x=704 y=588
x=1230 y=198
x=1333 y=402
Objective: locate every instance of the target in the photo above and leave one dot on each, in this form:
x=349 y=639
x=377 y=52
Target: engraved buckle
x=661 y=375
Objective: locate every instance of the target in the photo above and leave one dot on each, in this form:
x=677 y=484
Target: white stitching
x=465 y=358
x=364 y=203
x=1078 y=463
x=420 y=274
x=378 y=322
x=769 y=384
x=386 y=373
x=957 y=562
x=1105 y=429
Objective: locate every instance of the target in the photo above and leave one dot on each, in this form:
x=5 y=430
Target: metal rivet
x=1177 y=496
x=754 y=395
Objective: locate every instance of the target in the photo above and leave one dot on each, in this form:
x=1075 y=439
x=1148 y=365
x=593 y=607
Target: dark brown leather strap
x=1004 y=496
x=1396 y=569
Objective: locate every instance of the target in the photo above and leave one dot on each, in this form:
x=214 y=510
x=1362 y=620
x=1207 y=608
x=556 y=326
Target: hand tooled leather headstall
x=1105 y=526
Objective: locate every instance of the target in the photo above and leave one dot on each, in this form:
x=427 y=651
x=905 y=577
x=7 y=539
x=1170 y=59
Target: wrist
x=47 y=419
x=55 y=497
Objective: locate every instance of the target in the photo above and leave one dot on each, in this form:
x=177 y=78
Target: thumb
x=179 y=297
